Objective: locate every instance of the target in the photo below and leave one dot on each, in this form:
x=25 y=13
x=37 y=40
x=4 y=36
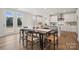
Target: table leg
x=41 y=41
x=26 y=40
x=23 y=38
x=57 y=41
x=20 y=36
x=54 y=41
x=32 y=40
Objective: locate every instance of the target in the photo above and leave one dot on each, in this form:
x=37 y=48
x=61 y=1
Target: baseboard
x=7 y=35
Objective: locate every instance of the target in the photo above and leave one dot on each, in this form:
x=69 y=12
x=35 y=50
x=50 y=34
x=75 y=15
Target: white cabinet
x=53 y=19
x=70 y=17
x=69 y=28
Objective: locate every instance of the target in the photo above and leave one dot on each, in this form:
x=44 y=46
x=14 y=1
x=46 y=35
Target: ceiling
x=47 y=11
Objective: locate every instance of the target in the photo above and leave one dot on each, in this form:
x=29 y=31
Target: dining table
x=42 y=33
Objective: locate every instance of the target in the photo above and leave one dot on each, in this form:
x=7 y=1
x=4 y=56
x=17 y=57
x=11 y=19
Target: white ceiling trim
x=47 y=11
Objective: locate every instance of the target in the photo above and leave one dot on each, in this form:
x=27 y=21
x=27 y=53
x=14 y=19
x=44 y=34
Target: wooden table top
x=43 y=31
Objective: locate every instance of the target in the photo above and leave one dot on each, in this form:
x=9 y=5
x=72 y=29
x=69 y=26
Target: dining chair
x=52 y=39
x=33 y=40
x=23 y=36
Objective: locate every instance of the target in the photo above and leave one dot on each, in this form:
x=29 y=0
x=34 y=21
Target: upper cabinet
x=53 y=19
x=70 y=17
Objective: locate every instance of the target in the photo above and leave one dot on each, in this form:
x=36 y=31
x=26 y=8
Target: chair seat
x=35 y=40
x=51 y=37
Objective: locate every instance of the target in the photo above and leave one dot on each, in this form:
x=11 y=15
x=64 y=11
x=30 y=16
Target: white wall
x=1 y=23
x=37 y=19
x=77 y=13
x=26 y=20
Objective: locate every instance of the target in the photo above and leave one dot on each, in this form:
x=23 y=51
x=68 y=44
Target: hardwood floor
x=11 y=42
x=67 y=41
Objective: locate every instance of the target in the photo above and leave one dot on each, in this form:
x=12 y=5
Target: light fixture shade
x=60 y=17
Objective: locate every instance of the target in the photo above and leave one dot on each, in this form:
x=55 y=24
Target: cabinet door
x=53 y=19
x=70 y=17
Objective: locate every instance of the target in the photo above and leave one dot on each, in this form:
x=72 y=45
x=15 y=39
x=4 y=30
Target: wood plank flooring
x=67 y=41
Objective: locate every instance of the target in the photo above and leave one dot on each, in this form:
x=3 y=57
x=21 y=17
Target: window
x=19 y=22
x=9 y=22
